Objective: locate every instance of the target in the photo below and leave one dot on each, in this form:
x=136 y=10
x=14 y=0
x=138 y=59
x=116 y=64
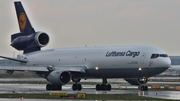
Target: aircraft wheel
x=142 y=88
x=59 y=87
x=146 y=88
x=48 y=87
x=74 y=87
x=98 y=87
x=108 y=87
x=55 y=87
x=103 y=87
x=79 y=87
x=51 y=87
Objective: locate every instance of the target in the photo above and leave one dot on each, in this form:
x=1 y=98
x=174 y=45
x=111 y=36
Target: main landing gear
x=53 y=87
x=76 y=86
x=103 y=86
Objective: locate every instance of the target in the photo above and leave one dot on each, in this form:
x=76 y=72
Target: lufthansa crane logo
x=22 y=21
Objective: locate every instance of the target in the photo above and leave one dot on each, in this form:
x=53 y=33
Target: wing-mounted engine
x=136 y=81
x=30 y=42
x=59 y=77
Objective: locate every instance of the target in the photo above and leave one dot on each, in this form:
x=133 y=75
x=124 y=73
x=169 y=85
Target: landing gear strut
x=76 y=86
x=53 y=87
x=104 y=85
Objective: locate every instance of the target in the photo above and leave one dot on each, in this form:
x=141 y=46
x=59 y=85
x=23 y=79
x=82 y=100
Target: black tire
x=51 y=87
x=74 y=87
x=79 y=87
x=55 y=87
x=103 y=87
x=48 y=87
x=146 y=88
x=108 y=87
x=142 y=88
x=59 y=87
x=98 y=87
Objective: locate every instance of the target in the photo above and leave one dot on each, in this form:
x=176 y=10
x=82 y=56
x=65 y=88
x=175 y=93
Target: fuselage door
x=142 y=58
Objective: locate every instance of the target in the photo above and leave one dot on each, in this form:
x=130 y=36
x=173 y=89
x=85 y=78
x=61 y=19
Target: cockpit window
x=153 y=56
x=163 y=55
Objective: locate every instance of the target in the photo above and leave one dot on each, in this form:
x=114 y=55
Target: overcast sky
x=76 y=23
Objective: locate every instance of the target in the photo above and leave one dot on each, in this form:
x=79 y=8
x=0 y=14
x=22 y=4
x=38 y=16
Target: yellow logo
x=22 y=21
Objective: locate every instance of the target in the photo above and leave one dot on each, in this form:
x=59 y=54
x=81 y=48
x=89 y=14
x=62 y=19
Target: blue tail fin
x=27 y=40
x=23 y=21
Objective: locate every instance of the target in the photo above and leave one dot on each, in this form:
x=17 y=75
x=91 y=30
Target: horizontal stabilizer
x=14 y=59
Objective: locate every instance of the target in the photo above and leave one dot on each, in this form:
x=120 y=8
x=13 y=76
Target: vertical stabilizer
x=23 y=21
x=27 y=39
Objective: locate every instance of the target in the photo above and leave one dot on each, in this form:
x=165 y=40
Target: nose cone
x=166 y=62
x=162 y=64
x=169 y=62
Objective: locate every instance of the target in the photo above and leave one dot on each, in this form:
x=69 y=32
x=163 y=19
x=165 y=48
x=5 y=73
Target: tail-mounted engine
x=30 y=42
x=136 y=81
x=58 y=77
x=41 y=39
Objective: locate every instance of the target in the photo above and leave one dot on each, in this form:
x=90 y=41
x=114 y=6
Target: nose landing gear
x=143 y=86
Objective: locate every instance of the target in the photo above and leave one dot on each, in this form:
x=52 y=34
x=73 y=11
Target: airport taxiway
x=40 y=88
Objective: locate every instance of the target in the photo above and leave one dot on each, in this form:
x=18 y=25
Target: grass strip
x=88 y=97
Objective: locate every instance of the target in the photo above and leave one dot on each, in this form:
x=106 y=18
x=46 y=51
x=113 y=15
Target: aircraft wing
x=23 y=67
x=81 y=69
x=14 y=59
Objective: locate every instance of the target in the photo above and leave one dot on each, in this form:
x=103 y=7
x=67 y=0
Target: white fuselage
x=107 y=62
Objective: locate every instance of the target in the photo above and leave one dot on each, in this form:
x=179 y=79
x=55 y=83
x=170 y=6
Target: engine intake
x=58 y=77
x=41 y=39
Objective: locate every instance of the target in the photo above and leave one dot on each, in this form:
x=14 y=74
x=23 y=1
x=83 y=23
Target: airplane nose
x=167 y=62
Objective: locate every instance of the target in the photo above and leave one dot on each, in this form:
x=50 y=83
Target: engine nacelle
x=136 y=81
x=58 y=77
x=21 y=41
x=41 y=39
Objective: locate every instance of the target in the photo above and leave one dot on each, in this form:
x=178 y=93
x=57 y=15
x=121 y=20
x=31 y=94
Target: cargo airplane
x=60 y=66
